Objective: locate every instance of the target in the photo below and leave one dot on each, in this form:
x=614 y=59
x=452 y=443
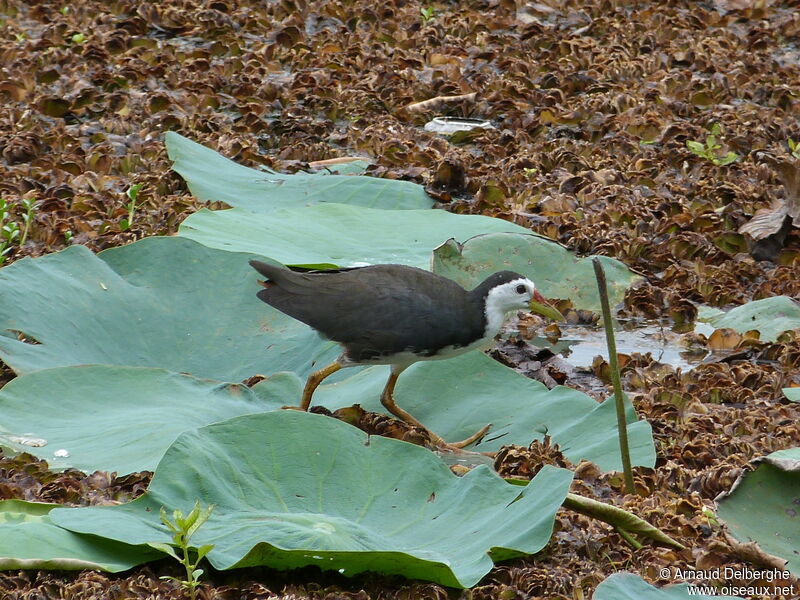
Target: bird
x=390 y=314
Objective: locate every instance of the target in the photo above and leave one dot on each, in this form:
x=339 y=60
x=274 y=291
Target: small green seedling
x=794 y=147
x=427 y=14
x=710 y=150
x=5 y=211
x=530 y=172
x=8 y=233
x=9 y=230
x=78 y=38
x=711 y=517
x=27 y=218
x=183 y=528
x=133 y=194
x=68 y=237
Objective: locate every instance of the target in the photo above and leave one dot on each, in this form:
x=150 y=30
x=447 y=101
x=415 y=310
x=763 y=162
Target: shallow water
x=579 y=345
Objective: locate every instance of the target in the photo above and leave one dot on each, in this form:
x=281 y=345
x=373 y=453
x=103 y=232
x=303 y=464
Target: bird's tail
x=271 y=272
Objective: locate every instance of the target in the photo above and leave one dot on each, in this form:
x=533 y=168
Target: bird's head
x=507 y=291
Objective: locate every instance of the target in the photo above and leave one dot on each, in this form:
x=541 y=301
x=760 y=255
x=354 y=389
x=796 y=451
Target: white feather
x=502 y=300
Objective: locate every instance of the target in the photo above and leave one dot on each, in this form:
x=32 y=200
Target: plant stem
x=628 y=538
x=27 y=219
x=622 y=424
x=625 y=523
x=620 y=519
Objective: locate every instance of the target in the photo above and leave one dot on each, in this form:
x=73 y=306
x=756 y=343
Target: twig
x=341 y=160
x=438 y=102
x=752 y=552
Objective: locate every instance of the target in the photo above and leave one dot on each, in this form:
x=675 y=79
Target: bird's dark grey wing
x=377 y=310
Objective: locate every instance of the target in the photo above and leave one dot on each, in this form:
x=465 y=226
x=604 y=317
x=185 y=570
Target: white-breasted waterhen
x=396 y=315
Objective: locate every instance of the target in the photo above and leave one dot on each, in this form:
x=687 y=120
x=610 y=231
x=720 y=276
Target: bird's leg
x=313 y=382
x=387 y=399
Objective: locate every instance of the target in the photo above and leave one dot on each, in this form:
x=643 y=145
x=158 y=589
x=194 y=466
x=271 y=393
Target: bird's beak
x=540 y=306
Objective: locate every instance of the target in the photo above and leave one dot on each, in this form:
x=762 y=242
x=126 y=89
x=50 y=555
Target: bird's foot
x=293 y=408
x=465 y=442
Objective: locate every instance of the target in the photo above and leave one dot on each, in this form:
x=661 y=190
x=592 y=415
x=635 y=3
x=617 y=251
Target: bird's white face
x=502 y=299
x=514 y=295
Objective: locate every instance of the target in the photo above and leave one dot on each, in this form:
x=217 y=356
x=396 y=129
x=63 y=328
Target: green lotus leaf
x=770 y=316
x=337 y=234
x=212 y=177
x=764 y=506
x=557 y=272
x=294 y=489
x=129 y=416
x=29 y=540
x=627 y=586
x=161 y=302
x=792 y=394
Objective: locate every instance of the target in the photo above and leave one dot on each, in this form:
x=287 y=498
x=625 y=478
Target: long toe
x=471 y=439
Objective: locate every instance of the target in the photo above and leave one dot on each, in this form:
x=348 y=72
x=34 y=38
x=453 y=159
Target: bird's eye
x=521 y=289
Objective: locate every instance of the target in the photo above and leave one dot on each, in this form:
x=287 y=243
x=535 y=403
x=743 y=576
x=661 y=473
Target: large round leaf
x=294 y=489
x=161 y=302
x=120 y=419
x=764 y=506
x=212 y=177
x=557 y=272
x=29 y=540
x=337 y=234
x=769 y=316
x=130 y=415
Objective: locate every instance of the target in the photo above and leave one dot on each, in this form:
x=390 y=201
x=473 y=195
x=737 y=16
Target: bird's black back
x=378 y=310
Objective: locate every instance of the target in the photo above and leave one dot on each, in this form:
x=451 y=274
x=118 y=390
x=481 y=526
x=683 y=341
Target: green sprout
x=78 y=38
x=794 y=147
x=68 y=237
x=27 y=219
x=5 y=210
x=427 y=14
x=133 y=194
x=183 y=528
x=530 y=172
x=64 y=10
x=710 y=150
x=9 y=230
x=20 y=37
x=711 y=518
